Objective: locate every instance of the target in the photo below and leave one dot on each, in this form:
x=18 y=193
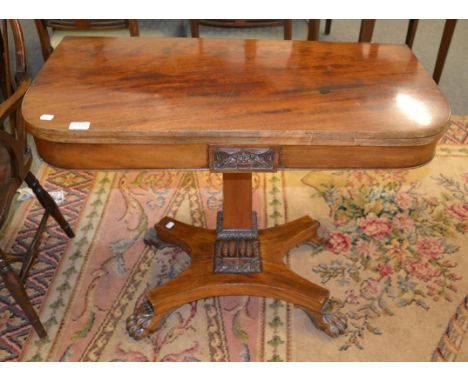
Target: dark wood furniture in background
x=247 y=23
x=328 y=24
x=445 y=41
x=411 y=32
x=444 y=46
x=313 y=29
x=83 y=24
x=15 y=164
x=367 y=30
x=235 y=107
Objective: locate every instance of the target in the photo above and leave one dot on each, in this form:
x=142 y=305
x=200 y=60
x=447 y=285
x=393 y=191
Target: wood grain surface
x=202 y=91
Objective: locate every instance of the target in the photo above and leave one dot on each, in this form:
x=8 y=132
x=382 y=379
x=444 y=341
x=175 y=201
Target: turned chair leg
x=444 y=46
x=48 y=203
x=313 y=30
x=328 y=25
x=194 y=28
x=17 y=290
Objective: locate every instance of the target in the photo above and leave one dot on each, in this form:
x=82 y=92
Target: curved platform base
x=199 y=280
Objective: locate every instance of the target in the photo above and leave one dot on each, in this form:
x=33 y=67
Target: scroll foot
x=138 y=323
x=320 y=237
x=151 y=238
x=330 y=321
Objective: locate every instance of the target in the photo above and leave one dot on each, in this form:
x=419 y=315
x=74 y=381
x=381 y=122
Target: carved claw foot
x=331 y=321
x=138 y=323
x=152 y=238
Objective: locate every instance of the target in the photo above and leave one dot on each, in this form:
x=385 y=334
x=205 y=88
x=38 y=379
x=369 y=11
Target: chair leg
x=133 y=27
x=18 y=292
x=313 y=30
x=328 y=25
x=444 y=46
x=194 y=28
x=287 y=25
x=31 y=254
x=367 y=30
x=411 y=33
x=48 y=203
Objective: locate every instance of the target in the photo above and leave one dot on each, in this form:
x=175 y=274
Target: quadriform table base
x=200 y=280
x=235 y=261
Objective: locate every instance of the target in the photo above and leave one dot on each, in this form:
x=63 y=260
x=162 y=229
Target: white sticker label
x=46 y=117
x=170 y=225
x=58 y=196
x=79 y=125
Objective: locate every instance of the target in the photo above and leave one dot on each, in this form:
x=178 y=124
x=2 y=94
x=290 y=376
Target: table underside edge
x=196 y=156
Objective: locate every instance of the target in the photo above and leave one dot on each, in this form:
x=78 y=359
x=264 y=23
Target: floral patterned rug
x=396 y=262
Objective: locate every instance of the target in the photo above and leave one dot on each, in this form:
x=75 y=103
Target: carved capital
x=237 y=256
x=237 y=250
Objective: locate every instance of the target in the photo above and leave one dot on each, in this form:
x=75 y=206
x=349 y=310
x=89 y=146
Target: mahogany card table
x=234 y=107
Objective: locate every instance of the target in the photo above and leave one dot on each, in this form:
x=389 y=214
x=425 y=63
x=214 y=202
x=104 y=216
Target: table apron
x=197 y=156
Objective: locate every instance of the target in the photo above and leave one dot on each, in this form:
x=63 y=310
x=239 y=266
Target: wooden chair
x=365 y=33
x=248 y=23
x=367 y=30
x=47 y=45
x=15 y=164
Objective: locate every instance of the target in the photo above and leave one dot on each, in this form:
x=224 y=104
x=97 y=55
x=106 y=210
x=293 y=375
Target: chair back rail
x=81 y=24
x=19 y=64
x=367 y=30
x=243 y=23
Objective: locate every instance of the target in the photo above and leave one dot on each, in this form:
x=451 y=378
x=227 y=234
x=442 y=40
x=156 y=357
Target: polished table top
x=184 y=90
